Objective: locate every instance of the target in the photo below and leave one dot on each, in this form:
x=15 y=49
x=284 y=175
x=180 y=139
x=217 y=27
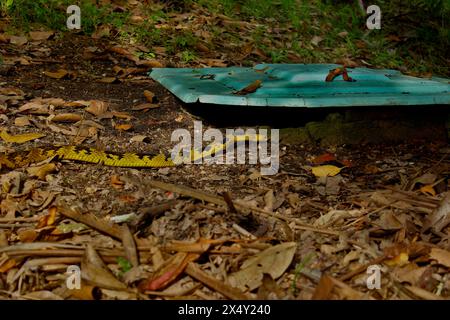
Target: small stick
x=13 y=225
x=91 y=221
x=195 y=272
x=227 y=197
x=363 y=268
x=243 y=231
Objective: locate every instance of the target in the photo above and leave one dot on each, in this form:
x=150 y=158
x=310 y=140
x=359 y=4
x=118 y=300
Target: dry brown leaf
x=423 y=294
x=441 y=256
x=18 y=40
x=123 y=127
x=94 y=271
x=150 y=96
x=42 y=171
x=140 y=138
x=66 y=117
x=78 y=103
x=109 y=80
x=102 y=31
x=145 y=106
x=316 y=40
x=35 y=107
x=22 y=121
x=27 y=235
x=59 y=74
x=252 y=87
x=122 y=115
x=97 y=107
x=409 y=273
x=8 y=265
x=428 y=190
x=440 y=217
x=116 y=182
x=273 y=261
x=150 y=63
x=49 y=219
x=334 y=216
x=40 y=35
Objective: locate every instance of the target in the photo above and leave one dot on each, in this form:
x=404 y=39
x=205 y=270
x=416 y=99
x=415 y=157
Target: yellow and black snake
x=92 y=155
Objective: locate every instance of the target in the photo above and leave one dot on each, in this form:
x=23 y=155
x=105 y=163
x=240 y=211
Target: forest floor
x=199 y=231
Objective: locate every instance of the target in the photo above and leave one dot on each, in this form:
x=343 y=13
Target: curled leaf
x=326 y=171
x=20 y=138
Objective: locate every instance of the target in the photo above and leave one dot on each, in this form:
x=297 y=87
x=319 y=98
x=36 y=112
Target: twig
x=20 y=219
x=195 y=272
x=129 y=246
x=363 y=268
x=13 y=225
x=227 y=197
x=243 y=231
x=151 y=213
x=318 y=230
x=91 y=221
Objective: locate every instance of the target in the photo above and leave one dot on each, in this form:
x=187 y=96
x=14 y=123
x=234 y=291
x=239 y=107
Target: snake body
x=92 y=155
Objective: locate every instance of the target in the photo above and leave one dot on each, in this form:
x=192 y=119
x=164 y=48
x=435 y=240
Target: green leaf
x=124 y=264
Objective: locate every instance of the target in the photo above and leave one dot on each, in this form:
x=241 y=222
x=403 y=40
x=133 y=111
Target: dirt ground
x=383 y=208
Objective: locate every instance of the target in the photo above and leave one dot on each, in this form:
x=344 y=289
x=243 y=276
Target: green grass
x=279 y=28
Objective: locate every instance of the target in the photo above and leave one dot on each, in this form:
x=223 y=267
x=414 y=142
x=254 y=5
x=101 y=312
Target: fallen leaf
x=428 y=190
x=20 y=138
x=28 y=235
x=102 y=31
x=97 y=107
x=423 y=294
x=140 y=138
x=66 y=117
x=123 y=127
x=40 y=35
x=273 y=261
x=145 y=106
x=150 y=96
x=150 y=63
x=116 y=182
x=18 y=40
x=399 y=260
x=326 y=157
x=109 y=80
x=441 y=256
x=427 y=178
x=8 y=265
x=42 y=171
x=316 y=40
x=49 y=219
x=22 y=121
x=59 y=74
x=95 y=272
x=250 y=88
x=122 y=115
x=334 y=216
x=440 y=217
x=347 y=62
x=35 y=107
x=326 y=171
x=169 y=271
